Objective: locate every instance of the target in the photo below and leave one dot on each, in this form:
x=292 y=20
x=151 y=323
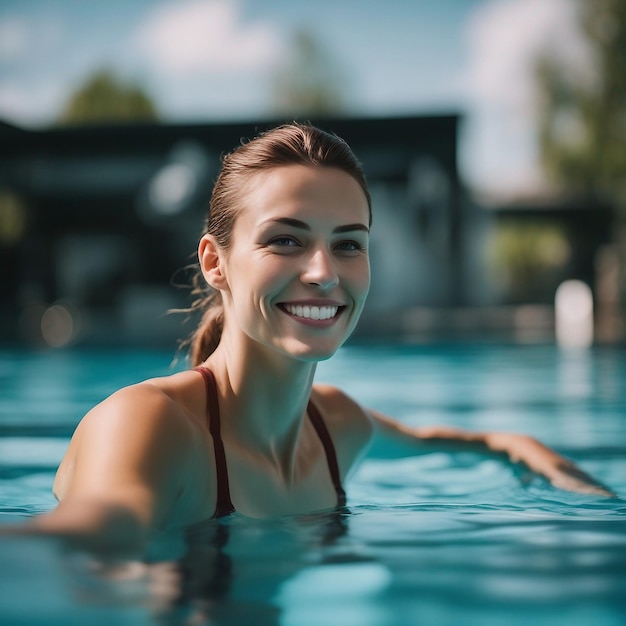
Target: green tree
x=105 y=98
x=309 y=80
x=582 y=130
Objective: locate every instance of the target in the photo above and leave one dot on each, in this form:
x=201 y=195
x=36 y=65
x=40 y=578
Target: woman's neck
x=263 y=394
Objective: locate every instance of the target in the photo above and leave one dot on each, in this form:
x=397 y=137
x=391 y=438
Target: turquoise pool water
x=438 y=539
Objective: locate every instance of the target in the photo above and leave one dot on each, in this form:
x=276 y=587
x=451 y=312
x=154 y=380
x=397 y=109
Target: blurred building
x=97 y=224
x=109 y=215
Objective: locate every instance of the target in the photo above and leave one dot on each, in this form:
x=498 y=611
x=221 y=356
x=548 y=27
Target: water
x=437 y=539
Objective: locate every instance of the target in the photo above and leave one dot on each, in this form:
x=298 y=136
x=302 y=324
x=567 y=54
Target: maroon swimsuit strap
x=224 y=505
x=331 y=455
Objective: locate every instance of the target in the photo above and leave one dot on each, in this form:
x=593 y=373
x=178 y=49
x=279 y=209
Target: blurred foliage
x=583 y=119
x=105 y=98
x=12 y=219
x=527 y=257
x=309 y=80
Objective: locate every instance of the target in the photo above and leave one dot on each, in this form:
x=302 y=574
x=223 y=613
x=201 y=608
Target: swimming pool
x=437 y=539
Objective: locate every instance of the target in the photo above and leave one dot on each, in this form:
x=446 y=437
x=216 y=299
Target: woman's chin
x=321 y=351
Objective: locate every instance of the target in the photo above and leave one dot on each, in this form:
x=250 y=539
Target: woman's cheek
x=365 y=277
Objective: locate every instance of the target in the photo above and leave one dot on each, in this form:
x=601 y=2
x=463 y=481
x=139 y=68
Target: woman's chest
x=257 y=486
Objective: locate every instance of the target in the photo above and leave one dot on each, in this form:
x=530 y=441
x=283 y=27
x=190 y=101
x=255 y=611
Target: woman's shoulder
x=143 y=438
x=167 y=408
x=344 y=416
x=336 y=398
x=151 y=419
x=153 y=399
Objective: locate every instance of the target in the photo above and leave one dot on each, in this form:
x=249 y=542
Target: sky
x=212 y=60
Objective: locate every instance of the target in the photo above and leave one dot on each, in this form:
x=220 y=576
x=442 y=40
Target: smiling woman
x=300 y=246
x=282 y=277
x=289 y=169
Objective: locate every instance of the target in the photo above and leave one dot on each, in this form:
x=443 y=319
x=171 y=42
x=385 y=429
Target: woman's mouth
x=312 y=312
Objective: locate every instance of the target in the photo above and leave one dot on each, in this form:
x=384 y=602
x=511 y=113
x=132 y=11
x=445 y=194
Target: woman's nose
x=320 y=270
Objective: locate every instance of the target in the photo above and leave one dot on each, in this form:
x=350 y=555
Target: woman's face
x=298 y=272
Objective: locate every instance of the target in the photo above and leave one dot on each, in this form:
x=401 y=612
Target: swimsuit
x=224 y=505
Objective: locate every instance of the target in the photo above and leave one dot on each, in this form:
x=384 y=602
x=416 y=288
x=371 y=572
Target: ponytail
x=207 y=335
x=203 y=341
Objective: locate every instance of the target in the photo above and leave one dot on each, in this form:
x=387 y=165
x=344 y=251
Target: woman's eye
x=284 y=242
x=349 y=246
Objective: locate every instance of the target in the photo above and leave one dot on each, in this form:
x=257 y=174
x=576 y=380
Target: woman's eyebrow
x=351 y=227
x=290 y=221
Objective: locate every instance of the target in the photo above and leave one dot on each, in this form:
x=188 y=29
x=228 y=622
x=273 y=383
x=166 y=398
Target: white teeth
x=312 y=312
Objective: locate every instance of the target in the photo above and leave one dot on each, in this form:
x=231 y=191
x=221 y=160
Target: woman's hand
x=561 y=472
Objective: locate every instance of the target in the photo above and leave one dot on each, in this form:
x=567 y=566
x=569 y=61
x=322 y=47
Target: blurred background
x=492 y=132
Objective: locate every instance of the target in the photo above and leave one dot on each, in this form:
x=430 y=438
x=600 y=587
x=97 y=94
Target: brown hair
x=290 y=144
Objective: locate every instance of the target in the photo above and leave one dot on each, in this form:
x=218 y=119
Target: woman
x=285 y=259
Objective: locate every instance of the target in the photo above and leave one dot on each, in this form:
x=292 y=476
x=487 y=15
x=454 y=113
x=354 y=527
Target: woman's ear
x=211 y=263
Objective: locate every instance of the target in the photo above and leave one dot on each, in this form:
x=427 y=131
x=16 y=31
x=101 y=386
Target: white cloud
x=506 y=38
x=205 y=36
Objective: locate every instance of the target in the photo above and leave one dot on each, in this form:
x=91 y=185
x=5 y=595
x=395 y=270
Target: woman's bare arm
x=122 y=475
x=393 y=438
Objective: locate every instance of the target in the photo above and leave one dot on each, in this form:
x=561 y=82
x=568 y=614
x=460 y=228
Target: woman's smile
x=311 y=313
